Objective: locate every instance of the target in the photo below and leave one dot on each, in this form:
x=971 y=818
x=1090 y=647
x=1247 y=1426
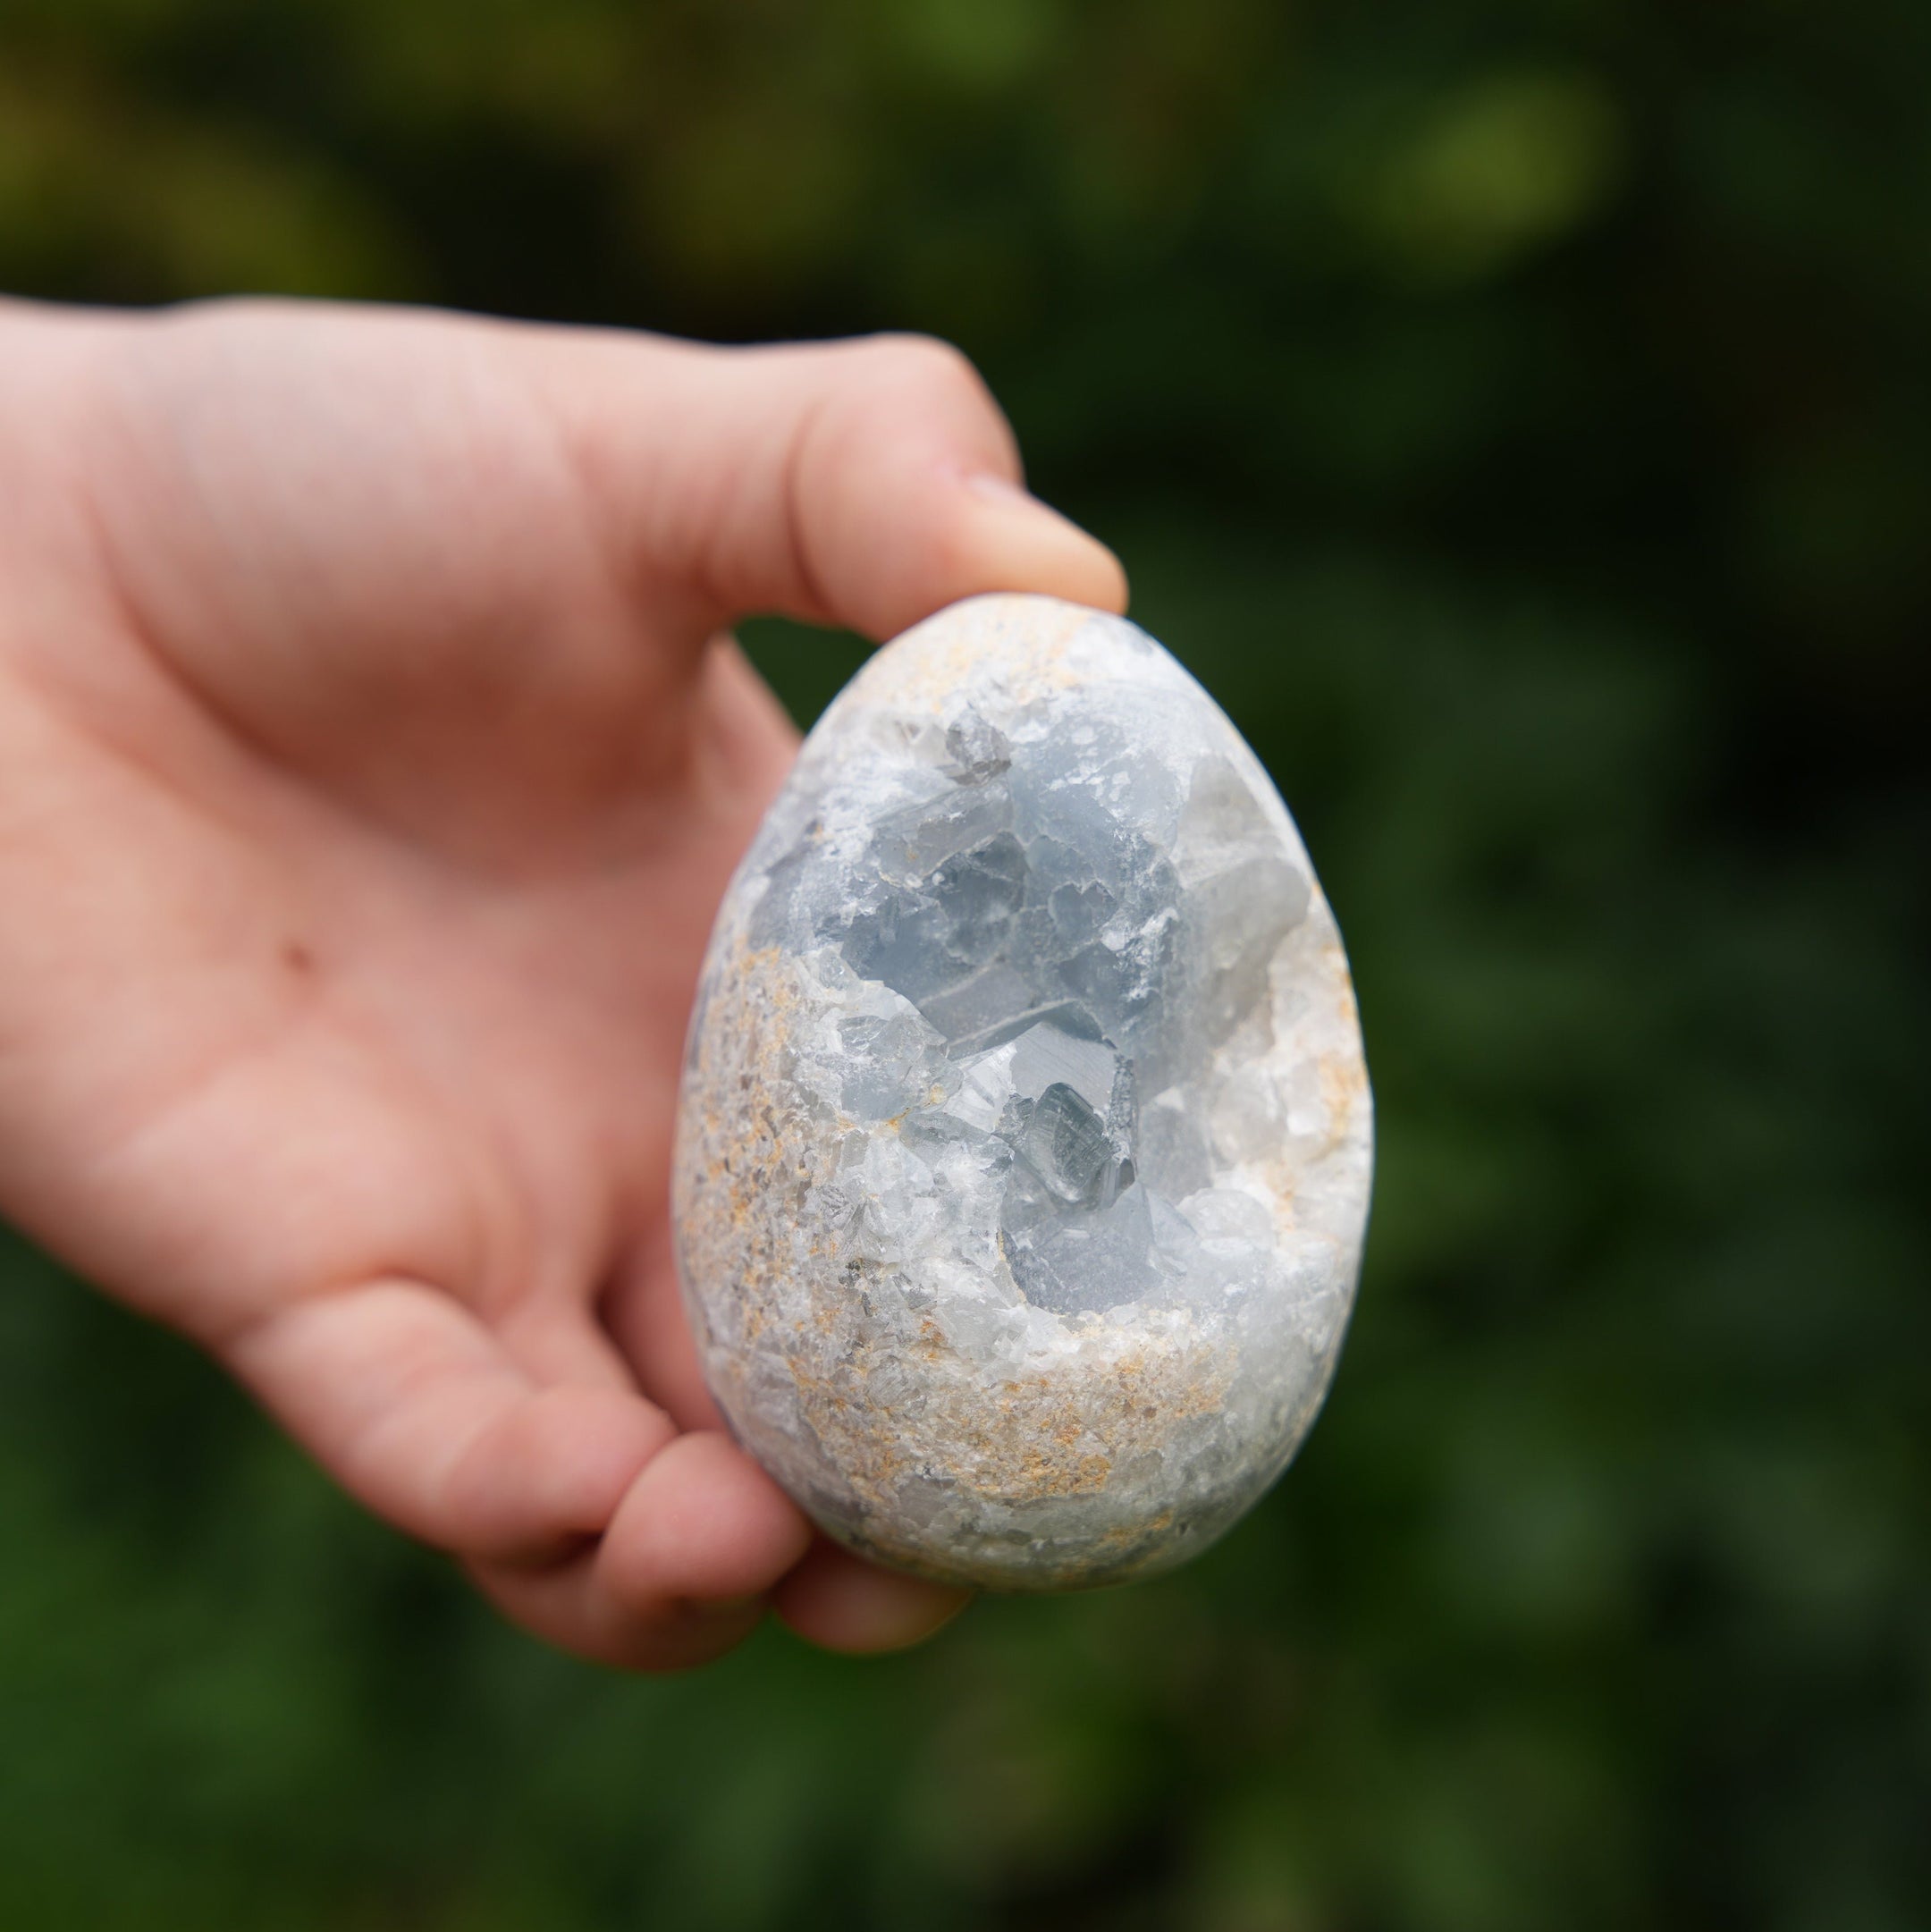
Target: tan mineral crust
x=1025 y=1142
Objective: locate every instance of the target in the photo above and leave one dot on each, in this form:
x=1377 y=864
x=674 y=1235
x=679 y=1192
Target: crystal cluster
x=1024 y=1141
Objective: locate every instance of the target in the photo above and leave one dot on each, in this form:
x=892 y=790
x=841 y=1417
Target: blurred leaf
x=1501 y=166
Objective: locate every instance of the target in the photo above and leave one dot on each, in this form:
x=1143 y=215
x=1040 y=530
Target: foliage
x=1518 y=415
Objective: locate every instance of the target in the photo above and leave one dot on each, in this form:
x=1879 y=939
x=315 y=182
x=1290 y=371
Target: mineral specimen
x=1023 y=1146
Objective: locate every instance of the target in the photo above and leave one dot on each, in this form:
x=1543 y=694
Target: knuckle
x=927 y=363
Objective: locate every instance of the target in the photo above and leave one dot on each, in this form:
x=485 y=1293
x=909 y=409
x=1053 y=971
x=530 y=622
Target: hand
x=373 y=756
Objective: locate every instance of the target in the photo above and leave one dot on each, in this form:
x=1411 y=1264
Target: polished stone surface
x=1024 y=1143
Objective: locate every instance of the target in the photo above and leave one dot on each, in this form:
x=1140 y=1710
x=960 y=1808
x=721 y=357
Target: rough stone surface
x=1024 y=1143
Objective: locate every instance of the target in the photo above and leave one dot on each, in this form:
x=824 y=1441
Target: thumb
x=862 y=483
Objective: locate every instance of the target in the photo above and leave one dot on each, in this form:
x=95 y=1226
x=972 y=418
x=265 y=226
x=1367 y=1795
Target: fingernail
x=1047 y=551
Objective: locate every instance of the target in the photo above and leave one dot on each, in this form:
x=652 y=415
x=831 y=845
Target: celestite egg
x=1025 y=1142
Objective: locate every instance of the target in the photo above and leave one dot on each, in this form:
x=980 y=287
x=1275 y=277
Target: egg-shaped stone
x=1024 y=1140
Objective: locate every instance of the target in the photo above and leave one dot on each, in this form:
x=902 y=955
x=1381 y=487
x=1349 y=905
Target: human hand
x=373 y=757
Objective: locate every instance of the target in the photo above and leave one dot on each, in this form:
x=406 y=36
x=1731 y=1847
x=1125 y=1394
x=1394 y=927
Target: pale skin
x=373 y=755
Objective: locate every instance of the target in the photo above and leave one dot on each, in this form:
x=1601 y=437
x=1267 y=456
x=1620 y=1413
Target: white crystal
x=1023 y=1148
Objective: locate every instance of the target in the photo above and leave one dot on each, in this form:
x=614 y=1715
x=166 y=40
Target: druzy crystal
x=1023 y=1146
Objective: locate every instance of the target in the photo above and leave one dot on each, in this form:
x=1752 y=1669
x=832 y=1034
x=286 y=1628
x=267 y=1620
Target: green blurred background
x=1520 y=416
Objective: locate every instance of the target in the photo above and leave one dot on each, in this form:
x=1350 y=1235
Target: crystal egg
x=1025 y=1139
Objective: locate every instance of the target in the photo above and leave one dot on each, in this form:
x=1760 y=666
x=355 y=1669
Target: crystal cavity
x=1024 y=1140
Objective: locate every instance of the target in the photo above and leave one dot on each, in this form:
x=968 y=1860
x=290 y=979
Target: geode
x=1025 y=1139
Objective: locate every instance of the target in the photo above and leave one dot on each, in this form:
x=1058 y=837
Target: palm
x=399 y=768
